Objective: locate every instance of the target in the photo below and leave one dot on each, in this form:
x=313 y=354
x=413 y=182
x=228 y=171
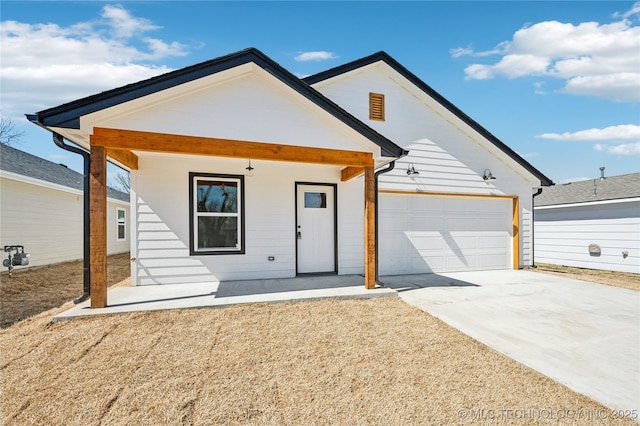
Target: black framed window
x=216 y=223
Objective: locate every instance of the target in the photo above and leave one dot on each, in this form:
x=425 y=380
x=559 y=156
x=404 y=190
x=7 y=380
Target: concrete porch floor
x=226 y=293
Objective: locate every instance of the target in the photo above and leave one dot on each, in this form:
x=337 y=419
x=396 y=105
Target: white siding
x=251 y=108
x=449 y=157
x=563 y=236
x=160 y=188
x=49 y=222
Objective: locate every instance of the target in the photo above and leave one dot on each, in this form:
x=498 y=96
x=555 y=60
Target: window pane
x=217 y=232
x=217 y=196
x=315 y=200
x=121 y=215
x=121 y=235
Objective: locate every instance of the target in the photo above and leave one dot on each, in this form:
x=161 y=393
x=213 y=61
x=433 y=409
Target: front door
x=316 y=228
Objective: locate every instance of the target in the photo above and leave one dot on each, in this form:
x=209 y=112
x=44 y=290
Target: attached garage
x=424 y=233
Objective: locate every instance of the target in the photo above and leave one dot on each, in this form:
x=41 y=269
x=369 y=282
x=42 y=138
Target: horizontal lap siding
x=563 y=236
x=49 y=222
x=449 y=157
x=162 y=242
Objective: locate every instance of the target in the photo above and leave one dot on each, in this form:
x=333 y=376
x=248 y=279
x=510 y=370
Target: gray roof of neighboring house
x=16 y=161
x=610 y=188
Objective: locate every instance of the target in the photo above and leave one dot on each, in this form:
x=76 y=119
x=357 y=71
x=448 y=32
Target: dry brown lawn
x=612 y=278
x=353 y=362
x=31 y=291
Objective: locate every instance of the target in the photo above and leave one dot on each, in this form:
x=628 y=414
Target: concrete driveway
x=583 y=335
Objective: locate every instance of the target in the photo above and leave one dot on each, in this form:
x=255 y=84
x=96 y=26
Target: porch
x=227 y=293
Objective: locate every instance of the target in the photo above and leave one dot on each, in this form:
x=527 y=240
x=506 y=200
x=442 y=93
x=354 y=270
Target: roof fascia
x=384 y=57
x=68 y=115
x=588 y=203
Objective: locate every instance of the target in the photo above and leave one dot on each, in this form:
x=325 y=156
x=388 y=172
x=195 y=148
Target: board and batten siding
x=47 y=220
x=449 y=156
x=563 y=235
x=160 y=202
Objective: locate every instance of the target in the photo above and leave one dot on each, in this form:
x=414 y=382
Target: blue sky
x=559 y=82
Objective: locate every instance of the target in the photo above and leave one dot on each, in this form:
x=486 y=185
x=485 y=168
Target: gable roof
x=68 y=115
x=610 y=188
x=22 y=163
x=384 y=57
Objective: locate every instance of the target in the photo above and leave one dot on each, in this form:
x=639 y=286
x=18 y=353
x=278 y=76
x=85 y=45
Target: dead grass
x=360 y=362
x=374 y=362
x=612 y=278
x=31 y=291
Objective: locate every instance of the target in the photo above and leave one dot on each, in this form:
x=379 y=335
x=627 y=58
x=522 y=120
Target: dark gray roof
x=68 y=115
x=16 y=161
x=610 y=188
x=384 y=57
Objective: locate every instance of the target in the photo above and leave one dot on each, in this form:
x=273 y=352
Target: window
x=121 y=224
x=376 y=106
x=315 y=200
x=216 y=213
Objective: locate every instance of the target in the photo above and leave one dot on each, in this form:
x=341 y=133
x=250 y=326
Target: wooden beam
x=98 y=227
x=194 y=145
x=349 y=173
x=124 y=157
x=369 y=229
x=516 y=233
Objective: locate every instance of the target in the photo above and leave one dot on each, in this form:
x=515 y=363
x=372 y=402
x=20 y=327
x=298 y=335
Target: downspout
x=533 y=227
x=375 y=188
x=59 y=141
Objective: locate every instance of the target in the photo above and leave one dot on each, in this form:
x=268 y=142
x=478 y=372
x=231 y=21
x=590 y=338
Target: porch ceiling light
x=411 y=170
x=487 y=175
x=249 y=169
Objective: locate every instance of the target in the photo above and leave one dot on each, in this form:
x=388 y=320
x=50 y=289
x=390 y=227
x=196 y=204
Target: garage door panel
x=422 y=234
x=425 y=240
x=429 y=222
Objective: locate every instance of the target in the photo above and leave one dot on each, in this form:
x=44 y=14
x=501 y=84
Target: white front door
x=315 y=228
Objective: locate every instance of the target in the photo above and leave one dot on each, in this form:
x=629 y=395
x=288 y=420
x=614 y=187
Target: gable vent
x=376 y=106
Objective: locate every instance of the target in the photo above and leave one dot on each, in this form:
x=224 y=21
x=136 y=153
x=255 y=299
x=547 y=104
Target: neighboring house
x=41 y=206
x=590 y=224
x=241 y=170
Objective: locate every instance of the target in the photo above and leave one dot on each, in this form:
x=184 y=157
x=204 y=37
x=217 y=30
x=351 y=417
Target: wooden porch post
x=98 y=227
x=369 y=229
x=516 y=233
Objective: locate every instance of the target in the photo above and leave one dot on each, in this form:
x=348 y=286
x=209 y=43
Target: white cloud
x=621 y=132
x=315 y=56
x=625 y=150
x=44 y=65
x=594 y=59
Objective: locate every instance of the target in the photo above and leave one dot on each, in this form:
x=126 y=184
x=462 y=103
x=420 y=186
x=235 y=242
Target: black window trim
x=192 y=241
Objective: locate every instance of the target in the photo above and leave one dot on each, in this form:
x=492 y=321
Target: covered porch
x=223 y=294
x=125 y=147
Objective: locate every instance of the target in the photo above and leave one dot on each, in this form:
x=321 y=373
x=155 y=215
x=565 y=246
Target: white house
x=590 y=224
x=41 y=208
x=241 y=170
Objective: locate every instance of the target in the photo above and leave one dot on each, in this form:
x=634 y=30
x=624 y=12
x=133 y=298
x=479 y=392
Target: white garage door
x=427 y=233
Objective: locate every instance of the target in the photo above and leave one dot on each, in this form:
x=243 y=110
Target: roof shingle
x=19 y=162
x=610 y=188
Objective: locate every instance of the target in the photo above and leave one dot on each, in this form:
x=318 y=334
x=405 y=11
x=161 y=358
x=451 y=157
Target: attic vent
x=376 y=106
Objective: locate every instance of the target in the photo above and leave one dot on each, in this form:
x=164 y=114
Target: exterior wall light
x=411 y=171
x=487 y=175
